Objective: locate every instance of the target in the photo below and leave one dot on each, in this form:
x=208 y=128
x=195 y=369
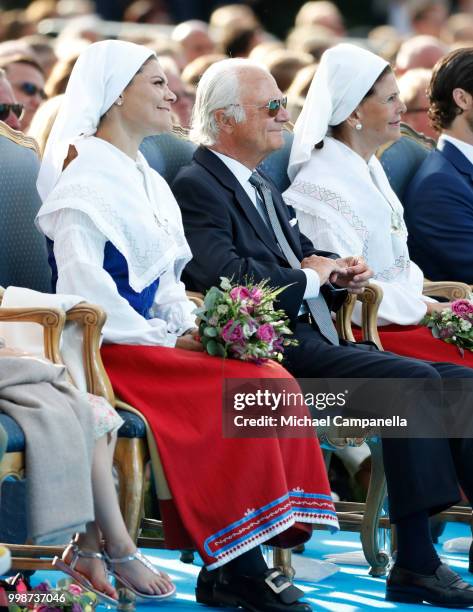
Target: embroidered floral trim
x=402 y=264
x=337 y=203
x=271 y=519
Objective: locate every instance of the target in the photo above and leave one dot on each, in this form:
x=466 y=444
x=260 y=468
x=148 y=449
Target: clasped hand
x=351 y=273
x=190 y=341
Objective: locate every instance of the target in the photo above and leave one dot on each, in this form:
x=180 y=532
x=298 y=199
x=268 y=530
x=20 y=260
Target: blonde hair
x=43 y=120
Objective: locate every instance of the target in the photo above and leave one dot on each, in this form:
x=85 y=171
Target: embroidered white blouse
x=131 y=206
x=347 y=206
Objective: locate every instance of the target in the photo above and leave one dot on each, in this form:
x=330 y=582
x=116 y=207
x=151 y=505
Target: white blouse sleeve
x=402 y=302
x=322 y=235
x=79 y=253
x=172 y=304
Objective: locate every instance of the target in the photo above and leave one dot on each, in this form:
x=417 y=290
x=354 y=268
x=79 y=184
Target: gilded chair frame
x=52 y=321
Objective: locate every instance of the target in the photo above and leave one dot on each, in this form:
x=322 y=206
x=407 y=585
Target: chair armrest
x=51 y=319
x=370 y=299
x=92 y=319
x=451 y=290
x=343 y=320
x=196 y=297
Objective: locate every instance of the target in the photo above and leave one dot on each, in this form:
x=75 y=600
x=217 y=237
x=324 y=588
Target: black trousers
x=421 y=474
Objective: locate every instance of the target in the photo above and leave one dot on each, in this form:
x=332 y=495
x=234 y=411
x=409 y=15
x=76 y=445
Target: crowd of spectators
x=40 y=42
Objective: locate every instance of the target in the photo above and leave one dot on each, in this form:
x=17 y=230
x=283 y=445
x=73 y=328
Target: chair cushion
x=167 y=153
x=401 y=161
x=16 y=437
x=133 y=427
x=23 y=255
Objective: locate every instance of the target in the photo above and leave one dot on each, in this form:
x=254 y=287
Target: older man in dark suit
x=439 y=199
x=238 y=225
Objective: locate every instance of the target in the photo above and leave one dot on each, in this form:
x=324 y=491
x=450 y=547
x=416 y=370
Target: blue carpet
x=349 y=590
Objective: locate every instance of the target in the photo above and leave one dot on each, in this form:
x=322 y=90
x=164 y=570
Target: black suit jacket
x=228 y=237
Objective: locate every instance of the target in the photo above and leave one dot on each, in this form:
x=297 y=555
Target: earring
x=358 y=126
x=119 y=102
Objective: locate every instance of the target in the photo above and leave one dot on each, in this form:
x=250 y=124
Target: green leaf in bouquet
x=211 y=298
x=435 y=331
x=210 y=332
x=215 y=349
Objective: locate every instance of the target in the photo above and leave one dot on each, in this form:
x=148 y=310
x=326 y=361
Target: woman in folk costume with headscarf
x=342 y=196
x=116 y=238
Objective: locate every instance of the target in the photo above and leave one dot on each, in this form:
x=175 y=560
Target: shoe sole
x=82 y=581
x=206 y=597
x=399 y=595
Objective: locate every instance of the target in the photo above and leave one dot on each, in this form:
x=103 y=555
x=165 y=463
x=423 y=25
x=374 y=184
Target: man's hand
x=437 y=306
x=356 y=274
x=190 y=341
x=324 y=267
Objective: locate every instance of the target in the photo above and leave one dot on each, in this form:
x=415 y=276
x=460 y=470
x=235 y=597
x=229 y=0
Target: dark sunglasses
x=17 y=109
x=30 y=89
x=273 y=106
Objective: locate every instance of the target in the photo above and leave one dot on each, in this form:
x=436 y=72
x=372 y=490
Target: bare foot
x=143 y=578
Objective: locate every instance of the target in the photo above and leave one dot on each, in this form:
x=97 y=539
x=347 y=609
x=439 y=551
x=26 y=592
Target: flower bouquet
x=240 y=322
x=453 y=325
x=19 y=596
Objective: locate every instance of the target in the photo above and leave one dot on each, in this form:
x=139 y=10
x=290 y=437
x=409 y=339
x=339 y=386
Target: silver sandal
x=137 y=556
x=69 y=568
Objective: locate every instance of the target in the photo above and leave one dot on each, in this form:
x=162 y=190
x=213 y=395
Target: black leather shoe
x=204 y=591
x=270 y=592
x=444 y=588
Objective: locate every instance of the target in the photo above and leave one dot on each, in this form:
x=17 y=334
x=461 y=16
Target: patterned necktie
x=317 y=306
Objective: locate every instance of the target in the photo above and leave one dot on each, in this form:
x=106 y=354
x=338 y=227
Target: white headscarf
x=128 y=202
x=92 y=89
x=345 y=74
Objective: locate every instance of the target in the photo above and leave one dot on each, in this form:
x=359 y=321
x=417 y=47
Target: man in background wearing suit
x=439 y=199
x=238 y=226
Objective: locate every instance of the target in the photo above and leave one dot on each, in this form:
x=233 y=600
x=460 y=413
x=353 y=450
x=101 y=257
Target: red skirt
x=228 y=495
x=417 y=341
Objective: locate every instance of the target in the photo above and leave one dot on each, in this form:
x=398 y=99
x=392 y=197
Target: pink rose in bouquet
x=462 y=308
x=239 y=293
x=256 y=294
x=241 y=322
x=453 y=325
x=232 y=332
x=265 y=332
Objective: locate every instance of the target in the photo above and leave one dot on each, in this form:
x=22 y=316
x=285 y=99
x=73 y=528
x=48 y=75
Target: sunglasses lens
x=275 y=105
x=18 y=110
x=6 y=108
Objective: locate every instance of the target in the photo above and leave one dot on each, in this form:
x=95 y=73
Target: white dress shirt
x=243 y=174
x=461 y=145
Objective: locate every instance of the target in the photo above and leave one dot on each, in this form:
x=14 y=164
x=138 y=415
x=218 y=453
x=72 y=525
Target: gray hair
x=219 y=88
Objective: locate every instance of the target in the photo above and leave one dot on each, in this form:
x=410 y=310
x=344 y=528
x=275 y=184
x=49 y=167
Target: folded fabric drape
x=58 y=424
